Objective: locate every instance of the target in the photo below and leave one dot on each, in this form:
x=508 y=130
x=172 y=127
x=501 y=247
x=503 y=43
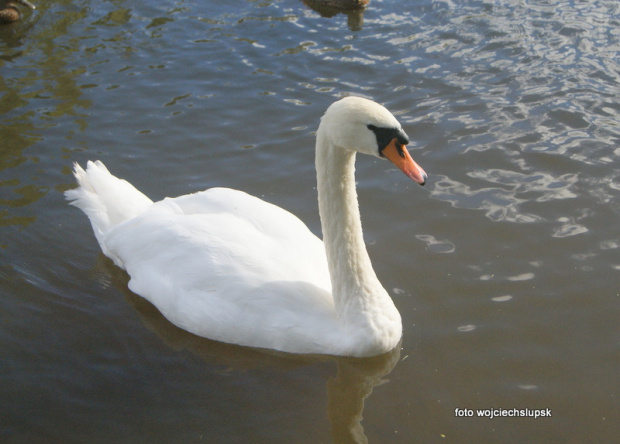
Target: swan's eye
x=386 y=135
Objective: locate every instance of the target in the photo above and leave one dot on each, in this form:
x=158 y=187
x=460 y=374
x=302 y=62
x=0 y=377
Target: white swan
x=231 y=267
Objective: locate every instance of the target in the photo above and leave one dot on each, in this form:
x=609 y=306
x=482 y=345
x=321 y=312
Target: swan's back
x=224 y=235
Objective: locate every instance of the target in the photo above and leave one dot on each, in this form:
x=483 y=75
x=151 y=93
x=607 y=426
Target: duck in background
x=354 y=10
x=342 y=4
x=9 y=12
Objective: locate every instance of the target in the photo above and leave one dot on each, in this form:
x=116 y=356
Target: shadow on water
x=31 y=102
x=354 y=382
x=13 y=134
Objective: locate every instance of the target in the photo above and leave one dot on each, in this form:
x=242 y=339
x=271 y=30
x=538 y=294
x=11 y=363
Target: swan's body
x=231 y=267
x=9 y=12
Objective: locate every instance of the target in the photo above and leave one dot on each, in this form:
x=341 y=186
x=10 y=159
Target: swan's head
x=358 y=124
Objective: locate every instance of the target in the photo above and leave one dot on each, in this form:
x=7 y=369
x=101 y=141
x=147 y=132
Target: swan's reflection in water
x=354 y=381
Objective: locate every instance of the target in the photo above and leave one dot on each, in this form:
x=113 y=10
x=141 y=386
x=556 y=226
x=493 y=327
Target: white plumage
x=228 y=266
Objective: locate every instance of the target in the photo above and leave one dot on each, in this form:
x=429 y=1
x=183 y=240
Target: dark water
x=505 y=268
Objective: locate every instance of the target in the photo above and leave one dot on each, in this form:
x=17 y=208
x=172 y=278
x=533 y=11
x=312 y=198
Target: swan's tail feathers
x=106 y=199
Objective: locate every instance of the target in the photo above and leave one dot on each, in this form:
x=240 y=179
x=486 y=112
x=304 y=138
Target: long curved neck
x=354 y=283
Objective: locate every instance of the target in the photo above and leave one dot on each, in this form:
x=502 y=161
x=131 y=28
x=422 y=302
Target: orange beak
x=399 y=156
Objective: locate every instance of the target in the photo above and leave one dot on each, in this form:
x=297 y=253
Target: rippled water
x=505 y=267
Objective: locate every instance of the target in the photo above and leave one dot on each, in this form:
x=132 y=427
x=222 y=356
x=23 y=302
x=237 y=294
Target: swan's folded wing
x=222 y=263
